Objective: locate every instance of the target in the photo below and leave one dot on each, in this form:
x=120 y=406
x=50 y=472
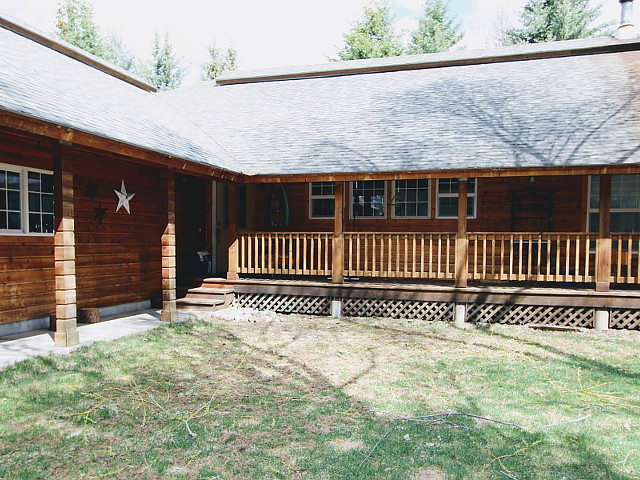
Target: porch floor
x=552 y=294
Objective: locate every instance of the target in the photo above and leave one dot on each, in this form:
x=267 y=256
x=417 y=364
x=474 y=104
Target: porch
x=538 y=258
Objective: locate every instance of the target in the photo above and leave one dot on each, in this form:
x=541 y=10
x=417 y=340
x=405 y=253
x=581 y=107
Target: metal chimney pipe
x=626 y=29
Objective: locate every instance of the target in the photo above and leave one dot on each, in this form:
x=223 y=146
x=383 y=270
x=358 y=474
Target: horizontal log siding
x=119 y=260
x=27 y=281
x=493 y=207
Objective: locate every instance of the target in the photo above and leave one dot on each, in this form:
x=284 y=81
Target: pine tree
x=373 y=35
x=164 y=71
x=436 y=31
x=74 y=24
x=551 y=20
x=219 y=62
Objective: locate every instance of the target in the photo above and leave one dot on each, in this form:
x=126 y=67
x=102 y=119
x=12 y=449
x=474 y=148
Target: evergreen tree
x=551 y=20
x=164 y=71
x=219 y=62
x=373 y=35
x=74 y=24
x=436 y=31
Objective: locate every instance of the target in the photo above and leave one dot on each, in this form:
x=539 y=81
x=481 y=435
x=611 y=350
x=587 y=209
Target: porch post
x=603 y=248
x=169 y=310
x=462 y=243
x=232 y=269
x=337 y=248
x=66 y=334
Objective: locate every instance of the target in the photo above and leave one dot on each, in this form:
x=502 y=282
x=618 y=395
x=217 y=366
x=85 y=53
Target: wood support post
x=66 y=334
x=337 y=247
x=603 y=244
x=169 y=309
x=462 y=242
x=232 y=269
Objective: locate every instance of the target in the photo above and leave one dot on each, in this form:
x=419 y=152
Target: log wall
x=27 y=281
x=493 y=208
x=119 y=260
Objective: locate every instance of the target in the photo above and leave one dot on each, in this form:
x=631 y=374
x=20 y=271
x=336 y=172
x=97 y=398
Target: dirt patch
x=431 y=473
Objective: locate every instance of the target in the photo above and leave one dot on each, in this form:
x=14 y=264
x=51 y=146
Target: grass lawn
x=314 y=397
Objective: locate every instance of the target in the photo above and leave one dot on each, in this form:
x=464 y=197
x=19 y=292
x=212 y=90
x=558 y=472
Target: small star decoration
x=99 y=213
x=123 y=198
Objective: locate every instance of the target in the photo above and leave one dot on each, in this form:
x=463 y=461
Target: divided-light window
x=447 y=198
x=26 y=201
x=321 y=200
x=368 y=198
x=411 y=198
x=625 y=203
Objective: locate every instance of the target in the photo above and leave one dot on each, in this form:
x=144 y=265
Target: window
x=625 y=203
x=321 y=200
x=368 y=198
x=447 y=198
x=26 y=201
x=411 y=198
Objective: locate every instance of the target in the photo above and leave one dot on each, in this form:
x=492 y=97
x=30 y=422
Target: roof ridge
x=72 y=51
x=510 y=53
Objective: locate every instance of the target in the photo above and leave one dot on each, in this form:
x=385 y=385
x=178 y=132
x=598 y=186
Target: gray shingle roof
x=570 y=106
x=41 y=83
x=568 y=111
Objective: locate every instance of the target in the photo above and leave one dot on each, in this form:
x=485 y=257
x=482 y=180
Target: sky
x=273 y=33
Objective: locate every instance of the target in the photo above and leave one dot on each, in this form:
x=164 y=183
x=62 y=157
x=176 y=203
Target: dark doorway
x=191 y=229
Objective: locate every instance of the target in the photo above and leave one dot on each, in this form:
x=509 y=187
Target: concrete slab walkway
x=39 y=343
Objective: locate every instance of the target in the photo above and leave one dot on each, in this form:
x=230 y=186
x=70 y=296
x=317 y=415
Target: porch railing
x=547 y=257
x=299 y=253
x=552 y=257
x=624 y=258
x=400 y=255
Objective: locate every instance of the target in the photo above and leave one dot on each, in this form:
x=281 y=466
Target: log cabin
x=326 y=189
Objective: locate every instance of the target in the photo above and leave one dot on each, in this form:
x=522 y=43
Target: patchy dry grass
x=313 y=397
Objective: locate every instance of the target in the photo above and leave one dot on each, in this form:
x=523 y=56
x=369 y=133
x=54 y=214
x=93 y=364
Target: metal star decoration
x=99 y=213
x=123 y=198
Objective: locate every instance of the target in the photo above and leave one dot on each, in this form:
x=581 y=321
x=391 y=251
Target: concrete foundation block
x=460 y=315
x=601 y=320
x=336 y=308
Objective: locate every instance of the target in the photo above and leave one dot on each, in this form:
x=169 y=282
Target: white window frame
x=384 y=201
x=591 y=210
x=313 y=197
x=24 y=201
x=473 y=197
x=394 y=201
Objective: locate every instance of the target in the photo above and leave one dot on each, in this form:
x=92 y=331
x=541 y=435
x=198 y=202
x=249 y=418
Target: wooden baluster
x=568 y=259
x=430 y=255
x=576 y=268
x=439 y=256
x=618 y=269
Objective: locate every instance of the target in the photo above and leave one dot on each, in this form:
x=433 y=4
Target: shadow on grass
x=253 y=413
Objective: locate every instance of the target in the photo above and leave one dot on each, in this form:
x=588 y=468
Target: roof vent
x=626 y=29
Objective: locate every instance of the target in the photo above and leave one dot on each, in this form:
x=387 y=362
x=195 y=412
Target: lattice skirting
x=625 y=319
x=439 y=311
x=368 y=307
x=285 y=303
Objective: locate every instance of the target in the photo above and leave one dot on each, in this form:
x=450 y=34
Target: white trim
x=473 y=196
x=419 y=217
x=384 y=201
x=24 y=201
x=320 y=197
